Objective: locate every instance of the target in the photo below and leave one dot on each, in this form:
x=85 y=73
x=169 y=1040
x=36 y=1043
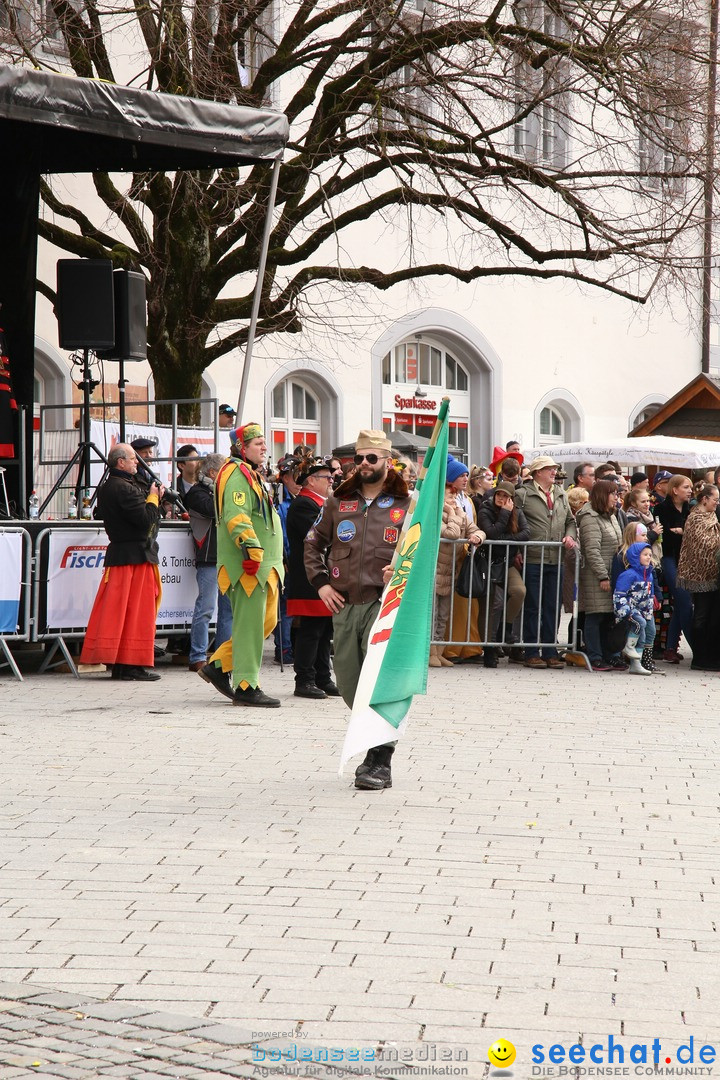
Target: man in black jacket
x=199 y=501
x=121 y=630
x=313 y=636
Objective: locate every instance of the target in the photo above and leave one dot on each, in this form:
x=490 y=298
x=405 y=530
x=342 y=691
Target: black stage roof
x=67 y=124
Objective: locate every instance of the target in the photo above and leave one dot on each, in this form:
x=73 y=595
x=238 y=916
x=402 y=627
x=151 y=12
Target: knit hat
x=638 y=478
x=454 y=469
x=368 y=439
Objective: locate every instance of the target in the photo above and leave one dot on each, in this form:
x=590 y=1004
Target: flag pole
x=440 y=420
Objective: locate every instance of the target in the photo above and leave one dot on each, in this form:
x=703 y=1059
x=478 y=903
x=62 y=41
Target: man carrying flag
x=346 y=553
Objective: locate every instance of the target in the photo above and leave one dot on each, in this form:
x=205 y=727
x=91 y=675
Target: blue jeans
x=208 y=593
x=284 y=626
x=682 y=606
x=544 y=607
x=645 y=630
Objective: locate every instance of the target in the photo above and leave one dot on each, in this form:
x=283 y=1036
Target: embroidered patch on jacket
x=239 y=498
x=345 y=531
x=384 y=501
x=397 y=516
x=310 y=534
x=336 y=571
x=390 y=536
x=348 y=506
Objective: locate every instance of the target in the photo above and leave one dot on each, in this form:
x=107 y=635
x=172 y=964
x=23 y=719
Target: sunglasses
x=372 y=459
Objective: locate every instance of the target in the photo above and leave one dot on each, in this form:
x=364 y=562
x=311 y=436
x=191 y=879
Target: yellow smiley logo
x=501 y=1054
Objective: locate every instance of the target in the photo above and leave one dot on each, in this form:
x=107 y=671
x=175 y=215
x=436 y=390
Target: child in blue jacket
x=633 y=599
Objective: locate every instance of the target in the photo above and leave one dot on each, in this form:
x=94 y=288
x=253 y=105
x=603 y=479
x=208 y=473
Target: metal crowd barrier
x=493 y=604
x=22 y=631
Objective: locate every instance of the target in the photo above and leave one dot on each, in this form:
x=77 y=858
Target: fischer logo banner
x=76 y=560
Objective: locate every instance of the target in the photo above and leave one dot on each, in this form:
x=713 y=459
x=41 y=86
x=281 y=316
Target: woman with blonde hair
x=480 y=482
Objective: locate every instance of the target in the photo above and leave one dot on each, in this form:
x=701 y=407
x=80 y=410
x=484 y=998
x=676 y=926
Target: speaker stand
x=82 y=456
x=121 y=398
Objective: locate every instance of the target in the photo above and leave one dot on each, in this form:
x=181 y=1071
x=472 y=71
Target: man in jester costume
x=250 y=569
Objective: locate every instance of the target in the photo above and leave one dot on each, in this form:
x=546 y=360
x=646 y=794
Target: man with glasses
x=346 y=553
x=313 y=625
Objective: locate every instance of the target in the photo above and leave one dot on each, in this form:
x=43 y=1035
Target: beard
x=374 y=476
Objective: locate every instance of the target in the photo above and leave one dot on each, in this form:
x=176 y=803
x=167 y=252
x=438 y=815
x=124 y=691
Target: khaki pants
x=351 y=630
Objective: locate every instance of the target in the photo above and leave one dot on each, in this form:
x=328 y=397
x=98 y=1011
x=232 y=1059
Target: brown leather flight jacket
x=351 y=542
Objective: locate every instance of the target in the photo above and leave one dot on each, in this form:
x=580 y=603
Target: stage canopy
x=66 y=124
x=62 y=124
x=661 y=450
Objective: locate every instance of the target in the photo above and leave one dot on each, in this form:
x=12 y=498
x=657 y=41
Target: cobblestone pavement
x=196 y=877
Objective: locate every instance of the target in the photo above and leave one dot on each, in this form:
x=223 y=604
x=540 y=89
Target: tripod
x=82 y=455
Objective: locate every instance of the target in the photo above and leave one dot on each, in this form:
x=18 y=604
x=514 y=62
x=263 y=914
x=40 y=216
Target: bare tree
x=533 y=138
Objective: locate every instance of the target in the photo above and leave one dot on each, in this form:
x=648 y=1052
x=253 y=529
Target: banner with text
x=76 y=558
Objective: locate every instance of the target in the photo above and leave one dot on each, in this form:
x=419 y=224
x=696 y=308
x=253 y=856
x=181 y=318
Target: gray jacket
x=600 y=540
x=545 y=524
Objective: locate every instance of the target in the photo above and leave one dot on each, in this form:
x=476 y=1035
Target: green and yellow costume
x=248 y=528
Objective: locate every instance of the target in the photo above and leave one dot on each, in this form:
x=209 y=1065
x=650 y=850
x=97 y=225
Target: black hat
x=638 y=478
x=143 y=443
x=287 y=464
x=227 y=410
x=315 y=466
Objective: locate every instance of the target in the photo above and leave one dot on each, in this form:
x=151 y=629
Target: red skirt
x=121 y=629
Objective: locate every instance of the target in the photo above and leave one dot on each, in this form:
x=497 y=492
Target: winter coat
x=199 y=501
x=455 y=526
x=635 y=588
x=494 y=523
x=600 y=540
x=131 y=518
x=545 y=524
x=351 y=543
x=697 y=569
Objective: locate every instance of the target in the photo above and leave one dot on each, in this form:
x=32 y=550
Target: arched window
x=420 y=371
x=295 y=417
x=558 y=418
x=552 y=428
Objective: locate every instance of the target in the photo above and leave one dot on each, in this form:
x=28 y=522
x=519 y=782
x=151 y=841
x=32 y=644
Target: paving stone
x=544 y=870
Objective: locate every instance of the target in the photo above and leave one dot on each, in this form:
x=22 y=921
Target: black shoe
x=373 y=777
x=217 y=678
x=129 y=673
x=516 y=655
x=330 y=689
x=309 y=690
x=490 y=657
x=255 y=698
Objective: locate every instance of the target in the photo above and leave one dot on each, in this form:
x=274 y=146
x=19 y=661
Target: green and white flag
x=396 y=663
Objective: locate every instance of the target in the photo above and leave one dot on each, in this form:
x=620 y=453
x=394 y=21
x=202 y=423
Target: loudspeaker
x=86 y=304
x=130 y=318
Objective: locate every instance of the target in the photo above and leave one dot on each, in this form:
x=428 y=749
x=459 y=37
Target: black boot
x=254 y=697
x=309 y=690
x=374 y=773
x=217 y=678
x=490 y=656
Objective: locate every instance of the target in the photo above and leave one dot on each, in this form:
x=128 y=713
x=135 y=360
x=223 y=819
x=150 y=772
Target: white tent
x=664 y=450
